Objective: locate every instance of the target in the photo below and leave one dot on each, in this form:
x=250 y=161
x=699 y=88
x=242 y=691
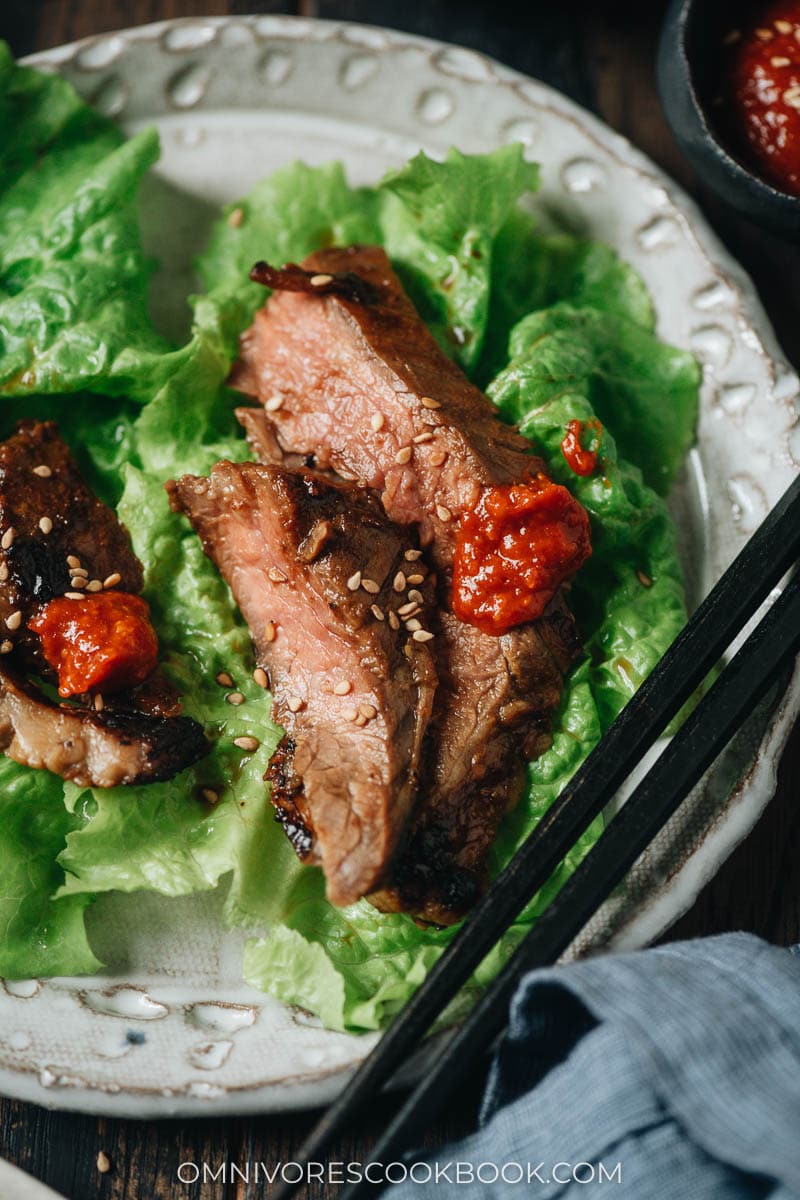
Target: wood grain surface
x=600 y=54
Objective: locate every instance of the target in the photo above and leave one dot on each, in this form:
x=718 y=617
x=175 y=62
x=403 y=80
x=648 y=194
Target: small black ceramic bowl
x=690 y=72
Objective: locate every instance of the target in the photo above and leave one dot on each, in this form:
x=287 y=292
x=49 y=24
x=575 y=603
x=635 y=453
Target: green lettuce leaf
x=284 y=218
x=73 y=279
x=646 y=390
x=38 y=935
x=439 y=223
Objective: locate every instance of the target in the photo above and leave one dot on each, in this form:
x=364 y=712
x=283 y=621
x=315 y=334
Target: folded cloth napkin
x=667 y=1074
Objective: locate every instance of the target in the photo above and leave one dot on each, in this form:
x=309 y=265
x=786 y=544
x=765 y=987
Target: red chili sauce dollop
x=102 y=642
x=514 y=550
x=580 y=460
x=763 y=82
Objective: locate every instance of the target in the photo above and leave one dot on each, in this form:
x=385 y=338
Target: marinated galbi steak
x=352 y=377
x=322 y=579
x=93 y=749
x=69 y=585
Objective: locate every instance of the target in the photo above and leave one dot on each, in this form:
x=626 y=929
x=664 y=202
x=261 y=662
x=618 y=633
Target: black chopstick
x=681 y=765
x=763 y=561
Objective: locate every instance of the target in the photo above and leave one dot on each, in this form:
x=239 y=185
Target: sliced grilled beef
x=57 y=537
x=320 y=574
x=357 y=381
x=92 y=749
x=40 y=483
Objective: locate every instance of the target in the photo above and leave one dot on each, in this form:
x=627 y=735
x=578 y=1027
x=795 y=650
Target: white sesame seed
x=368 y=711
x=274 y=403
x=320 y=280
x=354 y=582
x=399 y=582
x=235 y=698
x=377 y=421
x=260 y=677
x=94 y=585
x=369 y=585
x=7 y=540
x=235 y=217
x=247 y=743
x=112 y=580
x=73 y=595
x=43 y=471
x=6 y=647
x=3 y=572
x=73 y=561
x=412 y=555
x=415 y=595
x=422 y=635
x=764 y=35
x=407 y=610
x=416 y=578
x=792 y=97
x=779 y=61
x=224 y=679
x=270 y=631
x=394 y=620
x=276 y=575
x=428 y=402
x=350 y=714
x=210 y=795
x=438 y=457
x=377 y=613
x=295 y=703
x=421 y=438
x=412 y=623
x=403 y=456
x=78 y=582
x=343 y=688
x=99 y=703
x=14 y=620
x=783 y=26
x=443 y=513
x=45 y=524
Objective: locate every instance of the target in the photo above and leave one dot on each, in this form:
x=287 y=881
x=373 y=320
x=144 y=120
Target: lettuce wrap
x=556 y=328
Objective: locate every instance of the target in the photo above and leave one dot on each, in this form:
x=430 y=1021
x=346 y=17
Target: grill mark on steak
x=139 y=736
x=335 y=365
x=92 y=749
x=296 y=550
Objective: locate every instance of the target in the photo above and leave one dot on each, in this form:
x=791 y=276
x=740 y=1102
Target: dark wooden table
x=600 y=54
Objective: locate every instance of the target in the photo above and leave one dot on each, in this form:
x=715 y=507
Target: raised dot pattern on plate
x=357 y=71
x=188 y=35
x=434 y=106
x=584 y=175
x=99 y=54
x=110 y=97
x=188 y=87
x=660 y=233
x=521 y=129
x=275 y=66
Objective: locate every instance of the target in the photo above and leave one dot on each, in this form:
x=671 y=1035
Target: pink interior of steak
x=364 y=389
x=353 y=694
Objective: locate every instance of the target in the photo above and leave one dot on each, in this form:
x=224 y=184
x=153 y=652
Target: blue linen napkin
x=666 y=1074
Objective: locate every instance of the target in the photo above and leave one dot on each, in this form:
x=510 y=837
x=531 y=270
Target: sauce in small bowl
x=729 y=79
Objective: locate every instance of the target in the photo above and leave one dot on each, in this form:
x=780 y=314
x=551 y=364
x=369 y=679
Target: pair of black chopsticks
x=722 y=616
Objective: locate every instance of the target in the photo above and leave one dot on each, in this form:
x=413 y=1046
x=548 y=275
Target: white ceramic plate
x=16 y=1185
x=170 y=1028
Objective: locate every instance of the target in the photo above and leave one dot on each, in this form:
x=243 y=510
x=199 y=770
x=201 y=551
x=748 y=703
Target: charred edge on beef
x=293 y=278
